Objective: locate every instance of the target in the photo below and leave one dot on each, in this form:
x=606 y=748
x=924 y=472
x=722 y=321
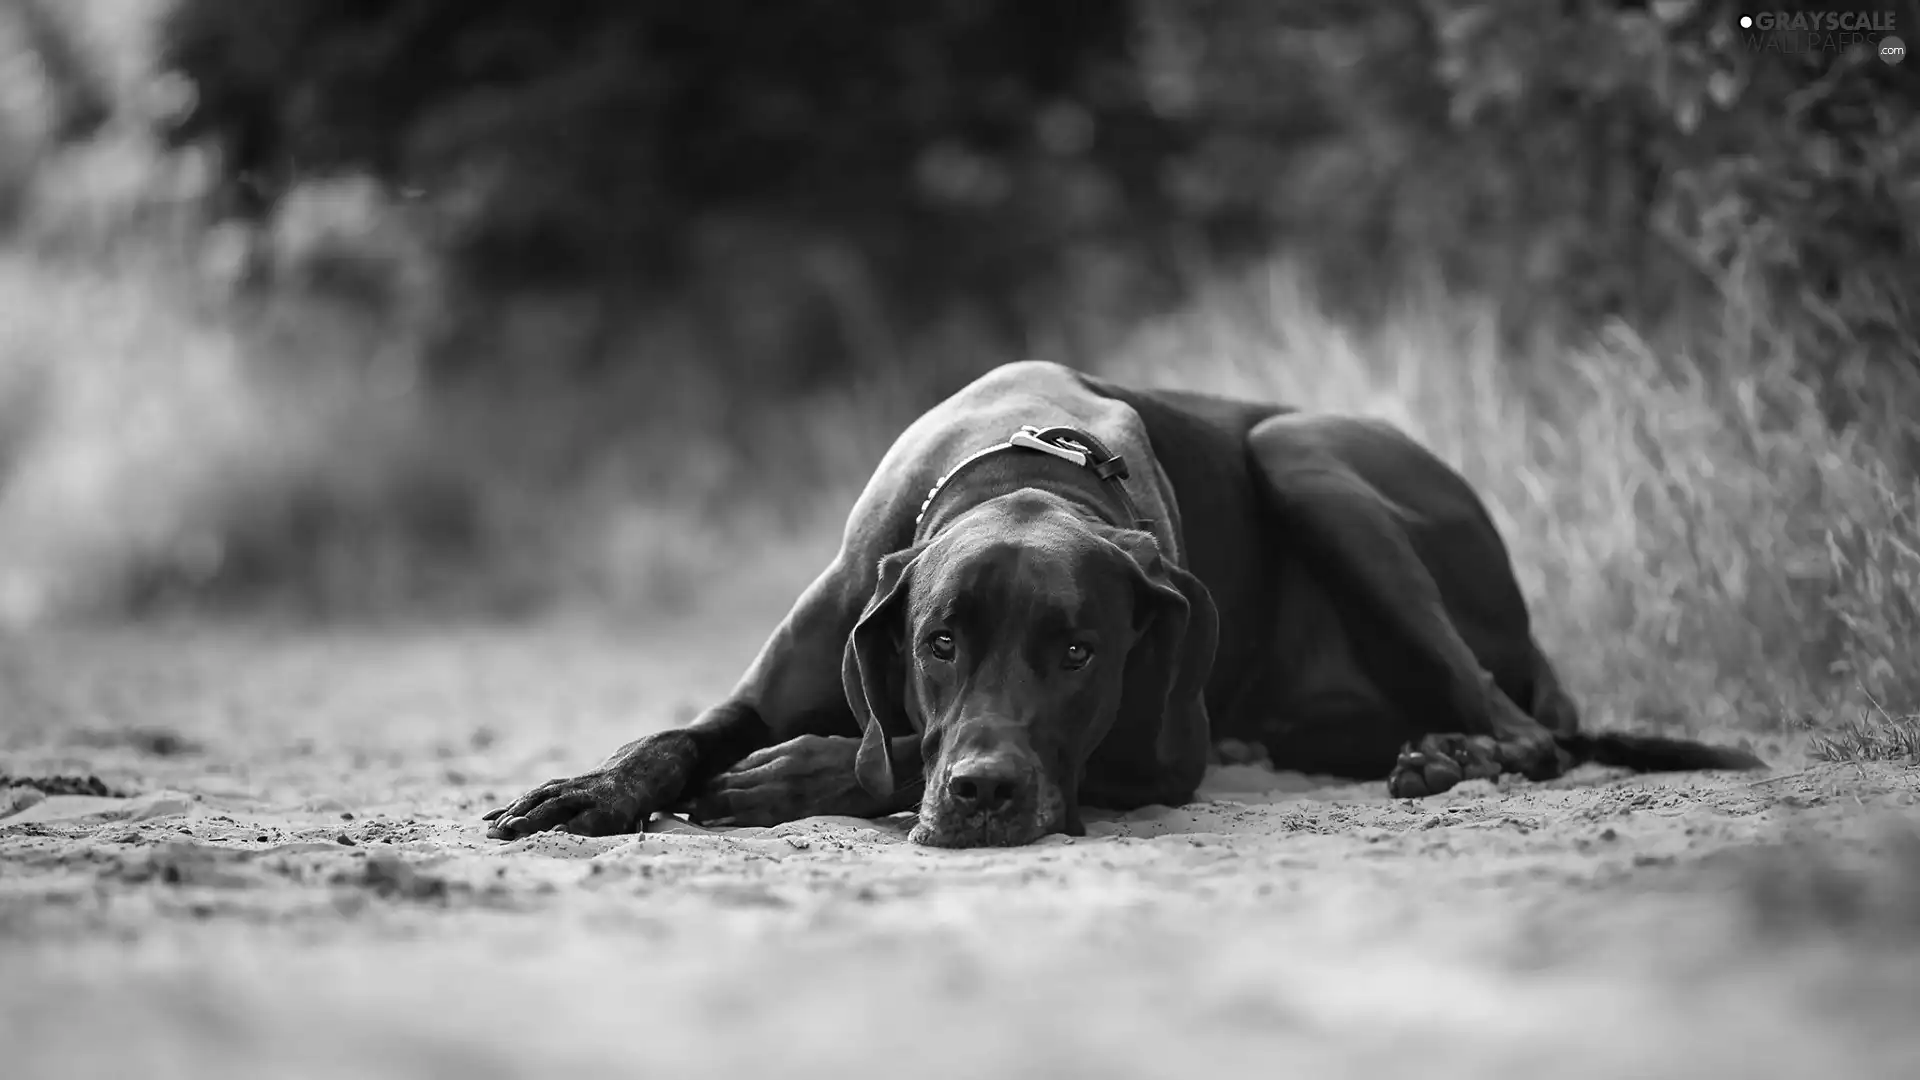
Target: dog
x=1057 y=592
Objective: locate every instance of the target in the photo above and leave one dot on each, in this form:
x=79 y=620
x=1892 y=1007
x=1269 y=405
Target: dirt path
x=301 y=889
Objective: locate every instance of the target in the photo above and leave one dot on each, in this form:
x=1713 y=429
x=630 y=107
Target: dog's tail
x=1654 y=753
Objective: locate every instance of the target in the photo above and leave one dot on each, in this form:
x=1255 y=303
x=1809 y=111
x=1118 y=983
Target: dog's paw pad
x=1423 y=771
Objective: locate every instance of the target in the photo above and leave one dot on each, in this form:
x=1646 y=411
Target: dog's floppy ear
x=872 y=672
x=1168 y=667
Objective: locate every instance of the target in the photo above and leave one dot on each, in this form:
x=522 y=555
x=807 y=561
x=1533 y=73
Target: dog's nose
x=983 y=784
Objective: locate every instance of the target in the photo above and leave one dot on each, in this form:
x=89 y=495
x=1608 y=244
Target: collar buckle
x=1067 y=444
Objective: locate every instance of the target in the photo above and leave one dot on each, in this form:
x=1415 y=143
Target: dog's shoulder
x=1170 y=407
x=1191 y=427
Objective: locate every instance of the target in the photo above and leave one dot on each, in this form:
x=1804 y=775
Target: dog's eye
x=1077 y=657
x=940 y=644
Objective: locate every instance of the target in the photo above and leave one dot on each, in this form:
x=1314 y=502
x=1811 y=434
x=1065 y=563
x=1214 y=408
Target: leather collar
x=1069 y=444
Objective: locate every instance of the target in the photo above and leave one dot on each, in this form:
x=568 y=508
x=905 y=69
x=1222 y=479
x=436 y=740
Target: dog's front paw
x=640 y=778
x=803 y=777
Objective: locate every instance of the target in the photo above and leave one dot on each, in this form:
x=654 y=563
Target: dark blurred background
x=359 y=307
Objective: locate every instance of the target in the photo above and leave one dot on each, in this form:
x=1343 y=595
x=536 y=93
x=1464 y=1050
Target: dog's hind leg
x=1350 y=494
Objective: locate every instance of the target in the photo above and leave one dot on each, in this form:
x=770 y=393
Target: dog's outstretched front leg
x=792 y=689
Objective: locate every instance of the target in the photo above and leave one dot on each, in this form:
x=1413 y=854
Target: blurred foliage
x=79 y=101
x=1639 y=136
x=950 y=143
x=502 y=265
x=39 y=66
x=1590 y=155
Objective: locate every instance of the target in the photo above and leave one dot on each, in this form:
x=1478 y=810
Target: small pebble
x=345 y=839
x=346 y=815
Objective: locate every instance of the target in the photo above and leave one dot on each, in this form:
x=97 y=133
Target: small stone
x=345 y=839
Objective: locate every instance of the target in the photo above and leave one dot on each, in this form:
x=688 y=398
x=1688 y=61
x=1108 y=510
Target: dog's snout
x=992 y=793
x=984 y=784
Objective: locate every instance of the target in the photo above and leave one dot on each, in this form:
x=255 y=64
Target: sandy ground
x=300 y=888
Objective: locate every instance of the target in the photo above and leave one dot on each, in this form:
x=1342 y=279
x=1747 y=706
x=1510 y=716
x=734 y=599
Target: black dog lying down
x=1056 y=591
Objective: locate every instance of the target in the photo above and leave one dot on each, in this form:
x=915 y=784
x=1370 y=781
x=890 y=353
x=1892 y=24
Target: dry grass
x=1702 y=546
x=1877 y=736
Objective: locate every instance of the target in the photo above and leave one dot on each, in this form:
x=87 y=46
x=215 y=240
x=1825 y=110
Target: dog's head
x=1013 y=642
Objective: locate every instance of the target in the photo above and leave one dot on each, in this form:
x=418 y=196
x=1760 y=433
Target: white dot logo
x=1892 y=50
x=1746 y=22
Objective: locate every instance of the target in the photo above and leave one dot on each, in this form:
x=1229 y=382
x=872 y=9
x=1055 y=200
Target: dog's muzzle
x=994 y=798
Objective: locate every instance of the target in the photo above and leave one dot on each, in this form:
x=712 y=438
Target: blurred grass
x=1703 y=544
